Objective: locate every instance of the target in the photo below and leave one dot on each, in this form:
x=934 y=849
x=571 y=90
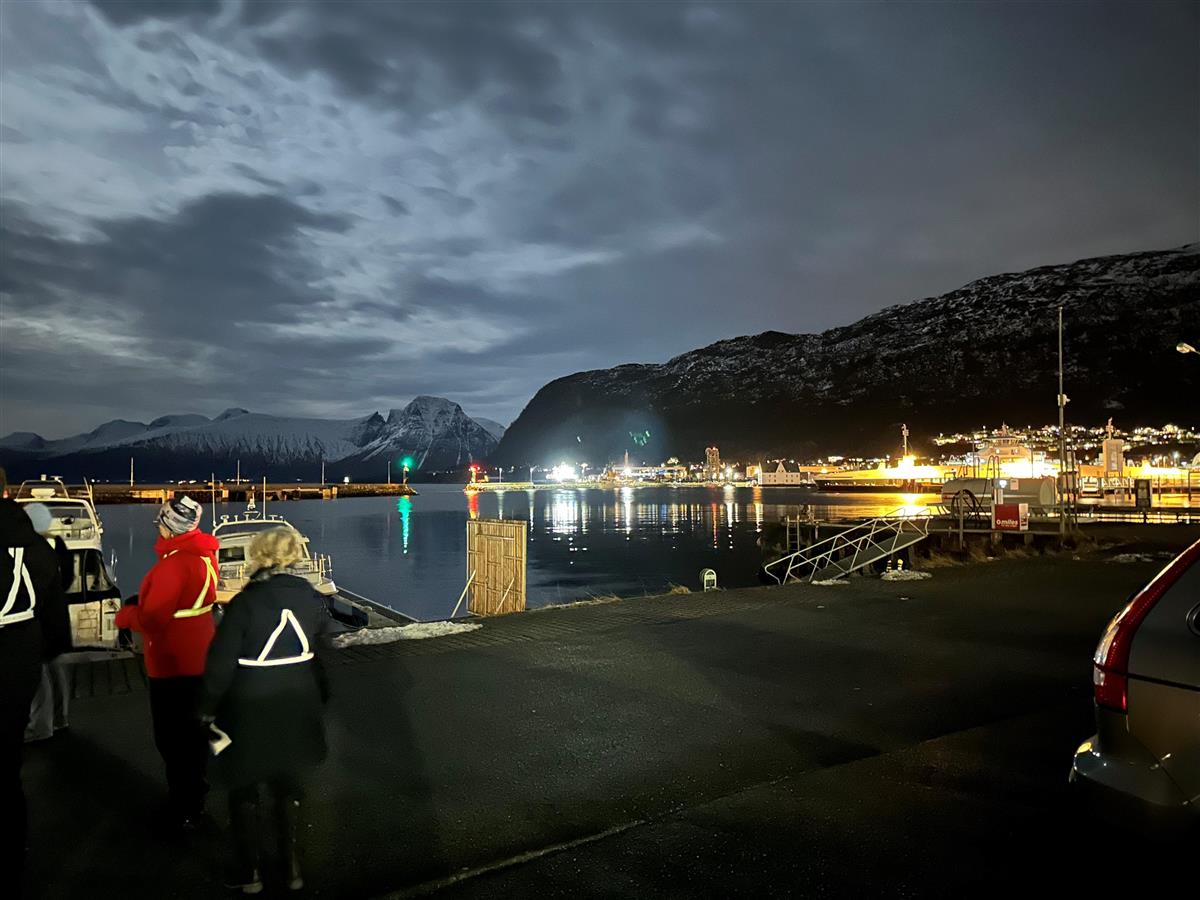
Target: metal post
x=1062 y=438
x=213 y=481
x=389 y=471
x=131 y=471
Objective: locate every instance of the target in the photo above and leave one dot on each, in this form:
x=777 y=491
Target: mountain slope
x=433 y=431
x=494 y=428
x=983 y=353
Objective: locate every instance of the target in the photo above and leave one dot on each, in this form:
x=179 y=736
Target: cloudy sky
x=325 y=209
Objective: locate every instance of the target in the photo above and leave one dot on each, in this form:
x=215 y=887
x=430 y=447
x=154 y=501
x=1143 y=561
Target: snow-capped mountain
x=984 y=353
x=494 y=428
x=435 y=433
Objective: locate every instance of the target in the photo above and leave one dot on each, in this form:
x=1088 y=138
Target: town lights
x=562 y=472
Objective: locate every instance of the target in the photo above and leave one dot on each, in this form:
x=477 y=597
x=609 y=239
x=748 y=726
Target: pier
x=225 y=492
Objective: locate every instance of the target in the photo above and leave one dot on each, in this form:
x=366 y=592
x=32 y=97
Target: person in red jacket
x=174 y=614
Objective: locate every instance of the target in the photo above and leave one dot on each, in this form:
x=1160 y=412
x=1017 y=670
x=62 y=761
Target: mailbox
x=708 y=579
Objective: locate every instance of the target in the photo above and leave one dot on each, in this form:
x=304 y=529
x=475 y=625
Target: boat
x=93 y=597
x=235 y=534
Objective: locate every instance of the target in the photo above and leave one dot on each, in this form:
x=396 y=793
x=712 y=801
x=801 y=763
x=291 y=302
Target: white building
x=784 y=474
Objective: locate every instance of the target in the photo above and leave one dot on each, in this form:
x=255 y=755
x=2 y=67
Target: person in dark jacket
x=174 y=614
x=52 y=700
x=265 y=690
x=34 y=627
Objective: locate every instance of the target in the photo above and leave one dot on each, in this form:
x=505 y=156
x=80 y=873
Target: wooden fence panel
x=496 y=565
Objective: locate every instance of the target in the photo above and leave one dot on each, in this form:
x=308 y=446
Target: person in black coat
x=34 y=627
x=265 y=690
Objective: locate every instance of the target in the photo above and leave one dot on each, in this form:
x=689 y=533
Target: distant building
x=712 y=464
x=784 y=473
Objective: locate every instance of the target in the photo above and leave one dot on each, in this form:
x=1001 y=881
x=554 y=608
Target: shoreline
x=276 y=492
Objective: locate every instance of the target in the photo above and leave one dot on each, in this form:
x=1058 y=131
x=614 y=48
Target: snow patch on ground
x=570 y=604
x=416 y=632
x=904 y=575
x=830 y=581
x=1141 y=557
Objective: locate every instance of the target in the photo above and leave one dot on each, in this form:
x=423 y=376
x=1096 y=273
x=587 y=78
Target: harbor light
x=563 y=472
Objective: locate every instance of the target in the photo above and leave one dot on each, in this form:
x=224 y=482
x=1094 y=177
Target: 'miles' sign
x=1010 y=517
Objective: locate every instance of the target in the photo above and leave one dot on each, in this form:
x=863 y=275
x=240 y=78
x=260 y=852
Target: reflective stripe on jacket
x=14 y=611
x=264 y=658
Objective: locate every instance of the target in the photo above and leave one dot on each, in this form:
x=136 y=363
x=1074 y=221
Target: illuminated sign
x=1010 y=517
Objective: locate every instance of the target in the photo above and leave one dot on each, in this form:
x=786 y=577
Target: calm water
x=410 y=553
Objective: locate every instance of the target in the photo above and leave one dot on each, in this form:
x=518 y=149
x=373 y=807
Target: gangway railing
x=854 y=548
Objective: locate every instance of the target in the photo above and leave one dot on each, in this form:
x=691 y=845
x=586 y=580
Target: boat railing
x=53 y=488
x=319 y=565
x=255 y=519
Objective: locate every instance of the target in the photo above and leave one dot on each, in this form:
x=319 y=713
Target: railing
x=866 y=542
x=319 y=565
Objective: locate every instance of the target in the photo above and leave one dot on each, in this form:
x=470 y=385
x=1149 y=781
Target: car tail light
x=1110 y=675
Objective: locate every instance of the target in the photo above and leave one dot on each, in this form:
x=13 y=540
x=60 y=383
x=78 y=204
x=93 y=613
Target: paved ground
x=903 y=739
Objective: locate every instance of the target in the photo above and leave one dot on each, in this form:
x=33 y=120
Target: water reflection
x=409 y=552
x=404 y=507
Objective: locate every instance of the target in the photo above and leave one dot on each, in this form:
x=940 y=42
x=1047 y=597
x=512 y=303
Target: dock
x=231 y=491
x=867 y=740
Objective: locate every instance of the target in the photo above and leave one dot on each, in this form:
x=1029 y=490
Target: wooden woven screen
x=496 y=565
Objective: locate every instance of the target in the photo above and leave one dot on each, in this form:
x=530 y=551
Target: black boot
x=287 y=815
x=242 y=874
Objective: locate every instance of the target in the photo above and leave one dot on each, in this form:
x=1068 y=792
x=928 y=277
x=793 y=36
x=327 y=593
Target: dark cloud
x=334 y=206
x=125 y=12
x=372 y=50
x=226 y=258
x=399 y=207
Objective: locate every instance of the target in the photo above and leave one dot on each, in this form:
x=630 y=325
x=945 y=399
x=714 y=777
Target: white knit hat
x=180 y=516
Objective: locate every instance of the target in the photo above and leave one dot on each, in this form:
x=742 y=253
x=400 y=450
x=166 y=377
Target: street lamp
x=1185 y=348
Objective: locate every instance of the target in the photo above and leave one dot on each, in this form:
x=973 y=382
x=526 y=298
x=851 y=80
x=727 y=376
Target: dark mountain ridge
x=984 y=353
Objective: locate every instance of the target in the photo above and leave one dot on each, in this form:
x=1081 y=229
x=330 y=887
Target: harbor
x=625 y=744
x=406 y=553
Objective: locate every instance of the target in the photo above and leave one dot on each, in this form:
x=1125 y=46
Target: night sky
x=325 y=209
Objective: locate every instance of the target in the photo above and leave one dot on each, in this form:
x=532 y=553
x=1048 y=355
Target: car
x=1142 y=766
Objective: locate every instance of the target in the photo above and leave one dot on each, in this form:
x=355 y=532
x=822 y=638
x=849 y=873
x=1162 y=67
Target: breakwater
x=224 y=492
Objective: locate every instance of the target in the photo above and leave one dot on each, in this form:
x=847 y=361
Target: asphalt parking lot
x=868 y=739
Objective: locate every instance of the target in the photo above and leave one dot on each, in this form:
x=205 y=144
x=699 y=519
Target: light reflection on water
x=410 y=553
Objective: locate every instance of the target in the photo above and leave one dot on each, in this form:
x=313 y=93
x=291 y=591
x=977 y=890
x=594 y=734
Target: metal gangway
x=853 y=549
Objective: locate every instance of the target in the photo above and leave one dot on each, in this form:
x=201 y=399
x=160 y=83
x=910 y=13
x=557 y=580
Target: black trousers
x=181 y=741
x=20 y=665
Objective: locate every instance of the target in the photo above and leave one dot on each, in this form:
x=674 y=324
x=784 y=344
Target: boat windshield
x=69 y=513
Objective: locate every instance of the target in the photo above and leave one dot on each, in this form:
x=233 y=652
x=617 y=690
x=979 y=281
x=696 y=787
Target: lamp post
x=1062 y=438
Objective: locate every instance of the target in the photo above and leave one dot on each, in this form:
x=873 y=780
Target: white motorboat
x=235 y=534
x=92 y=595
